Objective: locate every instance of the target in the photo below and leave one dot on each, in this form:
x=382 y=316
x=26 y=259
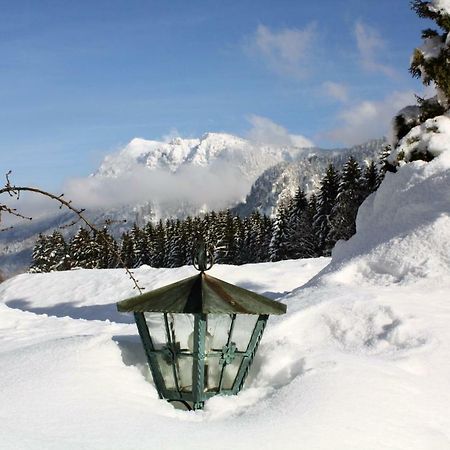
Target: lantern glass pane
x=230 y=372
x=183 y=329
x=243 y=329
x=156 y=328
x=212 y=373
x=166 y=371
x=218 y=329
x=184 y=369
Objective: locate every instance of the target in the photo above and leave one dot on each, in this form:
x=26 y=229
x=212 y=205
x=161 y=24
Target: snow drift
x=360 y=361
x=403 y=230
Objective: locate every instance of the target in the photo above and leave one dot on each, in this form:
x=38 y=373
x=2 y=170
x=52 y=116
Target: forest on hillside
x=304 y=227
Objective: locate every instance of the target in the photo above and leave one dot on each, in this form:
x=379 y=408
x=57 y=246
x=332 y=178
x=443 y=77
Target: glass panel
x=218 y=329
x=156 y=327
x=243 y=329
x=184 y=368
x=183 y=329
x=230 y=373
x=212 y=373
x=166 y=371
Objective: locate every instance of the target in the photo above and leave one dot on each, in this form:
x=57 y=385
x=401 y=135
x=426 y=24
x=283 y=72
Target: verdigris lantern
x=200 y=334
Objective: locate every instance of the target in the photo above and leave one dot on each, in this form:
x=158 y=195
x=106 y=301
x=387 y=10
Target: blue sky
x=81 y=79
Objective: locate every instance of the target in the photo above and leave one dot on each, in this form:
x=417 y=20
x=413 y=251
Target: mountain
x=209 y=150
x=152 y=180
x=281 y=181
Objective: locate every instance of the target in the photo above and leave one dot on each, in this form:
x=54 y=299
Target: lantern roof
x=202 y=294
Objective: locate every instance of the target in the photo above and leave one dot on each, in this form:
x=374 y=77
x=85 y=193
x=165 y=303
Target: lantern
x=200 y=334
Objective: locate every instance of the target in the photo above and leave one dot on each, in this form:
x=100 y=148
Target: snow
x=210 y=149
x=403 y=231
x=432 y=47
x=440 y=6
x=432 y=136
x=410 y=116
x=360 y=361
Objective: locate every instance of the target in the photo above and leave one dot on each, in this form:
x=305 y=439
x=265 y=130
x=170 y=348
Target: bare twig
x=15 y=191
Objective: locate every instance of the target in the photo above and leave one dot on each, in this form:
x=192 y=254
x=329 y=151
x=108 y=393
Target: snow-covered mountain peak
x=149 y=153
x=210 y=149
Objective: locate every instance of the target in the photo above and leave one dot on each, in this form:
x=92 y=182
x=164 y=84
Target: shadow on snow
x=68 y=309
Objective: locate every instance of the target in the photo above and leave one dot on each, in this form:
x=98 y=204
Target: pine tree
x=280 y=239
x=159 y=245
x=301 y=237
x=58 y=258
x=141 y=246
x=212 y=230
x=383 y=161
x=41 y=252
x=169 y=233
x=82 y=250
x=149 y=251
x=226 y=250
x=326 y=203
x=371 y=179
x=127 y=250
x=433 y=64
x=348 y=201
x=242 y=239
x=255 y=238
x=187 y=234
x=315 y=231
x=176 y=254
x=104 y=249
x=267 y=230
x=197 y=228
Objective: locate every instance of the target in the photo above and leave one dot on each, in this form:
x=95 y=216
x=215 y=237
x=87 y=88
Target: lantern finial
x=203 y=257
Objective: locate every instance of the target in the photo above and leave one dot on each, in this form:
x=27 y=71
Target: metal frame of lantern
x=201 y=297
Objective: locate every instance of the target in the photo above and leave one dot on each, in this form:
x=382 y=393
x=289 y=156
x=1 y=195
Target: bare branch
x=15 y=191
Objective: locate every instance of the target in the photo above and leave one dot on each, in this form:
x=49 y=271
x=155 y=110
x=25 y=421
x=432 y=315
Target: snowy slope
x=280 y=182
x=360 y=361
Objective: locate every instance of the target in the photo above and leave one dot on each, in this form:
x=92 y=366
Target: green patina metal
x=202 y=294
x=201 y=297
x=228 y=354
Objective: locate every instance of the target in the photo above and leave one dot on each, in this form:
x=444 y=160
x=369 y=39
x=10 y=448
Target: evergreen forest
x=305 y=226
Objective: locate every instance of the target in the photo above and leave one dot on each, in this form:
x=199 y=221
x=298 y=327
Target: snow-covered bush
x=430 y=63
x=424 y=141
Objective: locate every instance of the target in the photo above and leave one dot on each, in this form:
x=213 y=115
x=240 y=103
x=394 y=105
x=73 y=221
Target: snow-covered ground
x=360 y=361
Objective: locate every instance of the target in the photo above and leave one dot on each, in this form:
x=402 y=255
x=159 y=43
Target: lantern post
x=200 y=334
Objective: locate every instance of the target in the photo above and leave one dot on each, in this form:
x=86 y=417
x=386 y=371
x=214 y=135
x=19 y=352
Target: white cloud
x=336 y=91
x=370 y=44
x=217 y=186
x=301 y=141
x=286 y=51
x=266 y=132
x=369 y=119
x=29 y=205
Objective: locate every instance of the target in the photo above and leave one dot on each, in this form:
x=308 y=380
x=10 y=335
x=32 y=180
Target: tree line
x=304 y=227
